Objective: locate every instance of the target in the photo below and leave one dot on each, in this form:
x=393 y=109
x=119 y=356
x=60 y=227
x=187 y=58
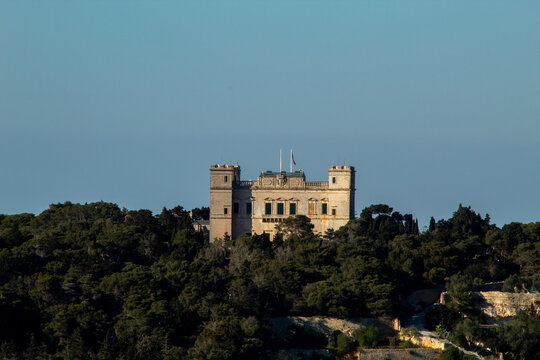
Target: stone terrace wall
x=398 y=354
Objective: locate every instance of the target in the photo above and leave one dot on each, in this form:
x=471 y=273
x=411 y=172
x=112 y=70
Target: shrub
x=341 y=344
x=368 y=337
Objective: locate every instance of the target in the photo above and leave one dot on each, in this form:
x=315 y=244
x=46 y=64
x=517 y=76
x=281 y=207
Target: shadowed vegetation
x=98 y=282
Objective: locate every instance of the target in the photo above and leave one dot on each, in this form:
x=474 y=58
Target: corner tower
x=341 y=180
x=223 y=178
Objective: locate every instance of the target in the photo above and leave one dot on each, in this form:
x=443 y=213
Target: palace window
x=311 y=210
x=226 y=178
x=248 y=208
x=225 y=211
x=292 y=209
x=280 y=208
x=236 y=208
x=268 y=208
x=333 y=211
x=324 y=208
x=272 y=220
x=333 y=180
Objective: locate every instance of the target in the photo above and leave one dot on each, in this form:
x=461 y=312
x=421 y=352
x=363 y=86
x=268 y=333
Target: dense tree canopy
x=95 y=281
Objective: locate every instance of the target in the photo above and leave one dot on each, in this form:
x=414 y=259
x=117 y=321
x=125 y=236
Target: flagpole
x=290 y=160
x=279 y=160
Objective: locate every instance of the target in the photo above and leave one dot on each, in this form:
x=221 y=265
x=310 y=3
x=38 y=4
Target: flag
x=292 y=157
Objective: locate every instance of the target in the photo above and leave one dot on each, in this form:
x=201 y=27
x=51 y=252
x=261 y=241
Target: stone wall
x=425 y=339
x=398 y=354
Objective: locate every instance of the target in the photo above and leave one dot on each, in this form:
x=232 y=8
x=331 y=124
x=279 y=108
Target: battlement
x=224 y=166
x=340 y=167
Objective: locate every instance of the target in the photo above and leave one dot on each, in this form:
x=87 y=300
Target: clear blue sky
x=435 y=103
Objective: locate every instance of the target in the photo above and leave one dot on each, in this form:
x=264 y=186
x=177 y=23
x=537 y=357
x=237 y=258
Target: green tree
x=202 y=213
x=299 y=225
x=432 y=224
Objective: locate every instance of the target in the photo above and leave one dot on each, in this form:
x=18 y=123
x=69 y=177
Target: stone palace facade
x=255 y=207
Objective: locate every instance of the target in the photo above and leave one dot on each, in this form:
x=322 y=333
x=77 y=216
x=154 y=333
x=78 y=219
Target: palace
x=255 y=207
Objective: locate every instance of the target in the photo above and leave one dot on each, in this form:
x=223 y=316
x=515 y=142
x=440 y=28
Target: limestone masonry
x=255 y=207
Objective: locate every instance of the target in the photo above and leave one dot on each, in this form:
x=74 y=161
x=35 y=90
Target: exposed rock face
x=327 y=325
x=427 y=340
x=499 y=305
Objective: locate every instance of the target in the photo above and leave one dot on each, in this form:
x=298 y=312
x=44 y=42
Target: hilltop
x=95 y=281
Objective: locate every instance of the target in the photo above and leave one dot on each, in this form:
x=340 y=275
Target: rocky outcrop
x=327 y=325
x=497 y=305
x=500 y=306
